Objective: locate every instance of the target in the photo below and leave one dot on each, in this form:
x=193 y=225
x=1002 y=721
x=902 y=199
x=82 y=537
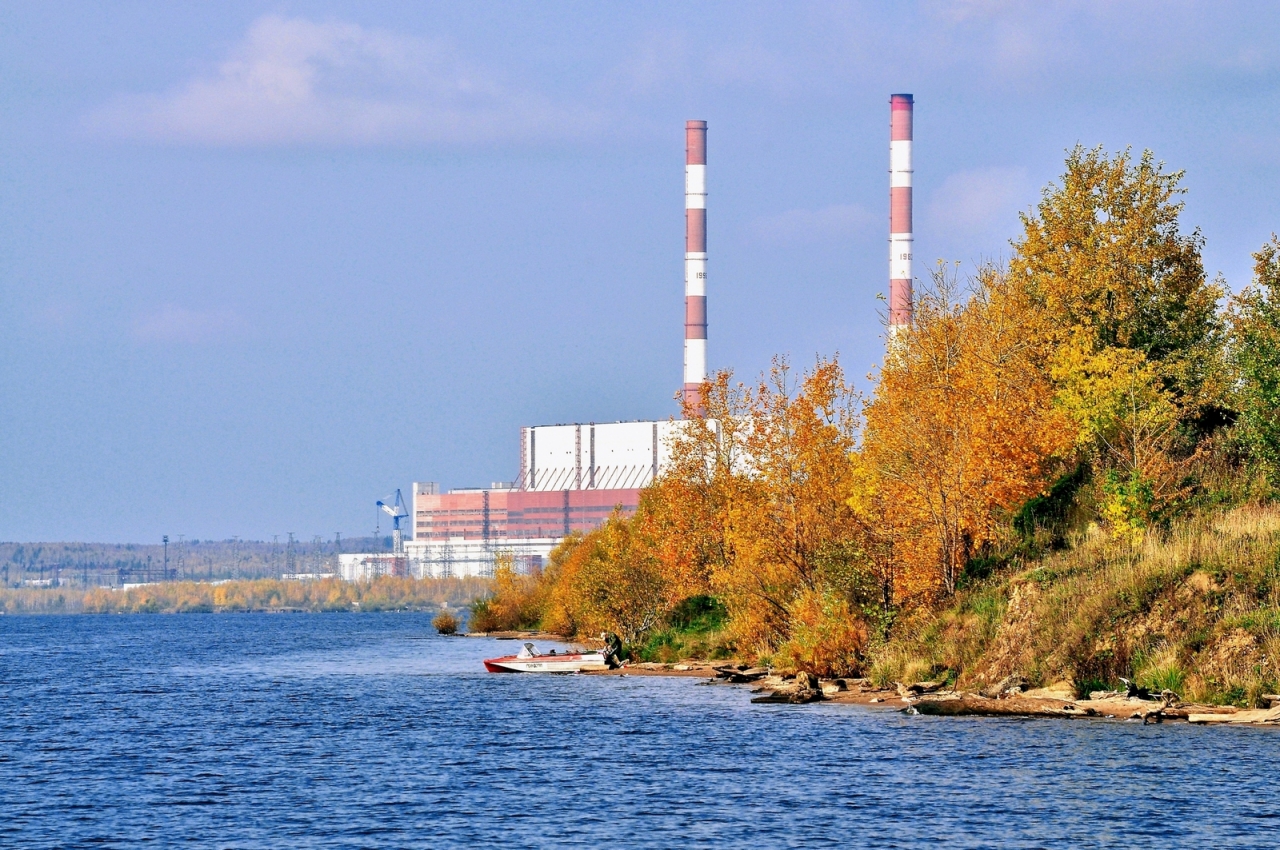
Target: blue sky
x=263 y=263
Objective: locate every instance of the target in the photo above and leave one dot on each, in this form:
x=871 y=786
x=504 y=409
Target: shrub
x=483 y=617
x=827 y=637
x=445 y=623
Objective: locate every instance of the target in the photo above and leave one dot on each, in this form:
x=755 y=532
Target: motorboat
x=531 y=660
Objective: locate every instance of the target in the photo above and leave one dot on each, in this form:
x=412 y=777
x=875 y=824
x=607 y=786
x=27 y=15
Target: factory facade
x=572 y=478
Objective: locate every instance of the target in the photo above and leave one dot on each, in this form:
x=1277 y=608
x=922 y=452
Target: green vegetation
x=1195 y=609
x=693 y=629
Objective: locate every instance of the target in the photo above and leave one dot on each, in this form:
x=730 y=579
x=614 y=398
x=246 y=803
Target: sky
x=261 y=264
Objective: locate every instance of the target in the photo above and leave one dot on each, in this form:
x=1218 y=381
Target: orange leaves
x=962 y=429
x=765 y=476
x=608 y=581
x=827 y=636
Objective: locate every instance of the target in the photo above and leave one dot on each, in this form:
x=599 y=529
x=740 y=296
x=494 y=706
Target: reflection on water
x=369 y=731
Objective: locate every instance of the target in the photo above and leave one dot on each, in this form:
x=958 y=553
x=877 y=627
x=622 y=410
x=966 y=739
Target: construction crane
x=397 y=511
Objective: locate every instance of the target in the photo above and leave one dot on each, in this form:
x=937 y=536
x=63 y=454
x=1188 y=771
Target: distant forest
x=111 y=564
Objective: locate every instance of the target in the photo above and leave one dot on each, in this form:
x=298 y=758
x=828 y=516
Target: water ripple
x=367 y=731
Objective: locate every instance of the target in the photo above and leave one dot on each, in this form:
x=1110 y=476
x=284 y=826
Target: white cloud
x=980 y=202
x=171 y=323
x=801 y=226
x=293 y=81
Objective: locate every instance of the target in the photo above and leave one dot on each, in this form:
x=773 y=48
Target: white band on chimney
x=695 y=274
x=695 y=187
x=900 y=256
x=695 y=361
x=900 y=163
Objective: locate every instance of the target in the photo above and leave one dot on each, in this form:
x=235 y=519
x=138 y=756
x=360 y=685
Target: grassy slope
x=1197 y=611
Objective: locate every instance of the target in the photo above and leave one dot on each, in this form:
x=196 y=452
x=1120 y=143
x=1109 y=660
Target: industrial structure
x=695 y=261
x=901 y=107
x=573 y=477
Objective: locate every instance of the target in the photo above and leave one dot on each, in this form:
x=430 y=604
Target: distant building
x=571 y=478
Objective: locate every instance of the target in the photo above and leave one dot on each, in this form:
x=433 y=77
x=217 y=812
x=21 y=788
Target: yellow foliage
x=383 y=593
x=961 y=432
x=611 y=581
x=776 y=496
x=1125 y=414
x=826 y=636
x=1103 y=255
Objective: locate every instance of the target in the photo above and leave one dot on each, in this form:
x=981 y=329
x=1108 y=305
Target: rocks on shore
x=804 y=688
x=1009 y=697
x=740 y=674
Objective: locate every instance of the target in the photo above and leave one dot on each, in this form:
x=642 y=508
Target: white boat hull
x=568 y=663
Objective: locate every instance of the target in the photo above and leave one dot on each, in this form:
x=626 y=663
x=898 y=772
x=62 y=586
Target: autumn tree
x=789 y=530
x=1104 y=257
x=753 y=508
x=962 y=429
x=518 y=601
x=611 y=581
x=682 y=515
x=1128 y=421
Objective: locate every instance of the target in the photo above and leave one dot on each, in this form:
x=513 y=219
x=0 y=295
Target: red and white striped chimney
x=901 y=107
x=695 y=261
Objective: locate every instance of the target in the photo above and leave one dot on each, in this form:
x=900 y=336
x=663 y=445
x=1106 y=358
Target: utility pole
x=290 y=565
x=182 y=556
x=166 y=558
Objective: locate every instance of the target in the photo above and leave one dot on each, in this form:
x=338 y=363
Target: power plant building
x=572 y=478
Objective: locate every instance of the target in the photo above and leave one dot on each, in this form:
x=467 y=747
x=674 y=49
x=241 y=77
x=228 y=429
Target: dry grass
x=1198 y=607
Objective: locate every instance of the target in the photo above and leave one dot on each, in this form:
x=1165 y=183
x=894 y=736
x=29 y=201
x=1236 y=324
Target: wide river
x=350 y=730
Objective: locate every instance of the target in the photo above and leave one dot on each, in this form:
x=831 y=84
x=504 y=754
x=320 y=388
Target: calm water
x=368 y=731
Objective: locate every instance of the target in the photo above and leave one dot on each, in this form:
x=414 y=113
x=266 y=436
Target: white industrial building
x=572 y=478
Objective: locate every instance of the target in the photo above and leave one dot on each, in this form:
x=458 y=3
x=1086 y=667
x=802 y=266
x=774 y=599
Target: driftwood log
x=1014 y=683
x=919 y=688
x=1266 y=716
x=740 y=675
x=971 y=705
x=804 y=689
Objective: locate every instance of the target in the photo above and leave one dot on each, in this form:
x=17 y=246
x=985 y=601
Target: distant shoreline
x=275 y=596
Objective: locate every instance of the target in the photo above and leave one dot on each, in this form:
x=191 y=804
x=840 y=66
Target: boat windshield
x=529 y=651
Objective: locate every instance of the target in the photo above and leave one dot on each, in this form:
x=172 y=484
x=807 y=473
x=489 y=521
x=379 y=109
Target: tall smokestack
x=901 y=107
x=695 y=261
